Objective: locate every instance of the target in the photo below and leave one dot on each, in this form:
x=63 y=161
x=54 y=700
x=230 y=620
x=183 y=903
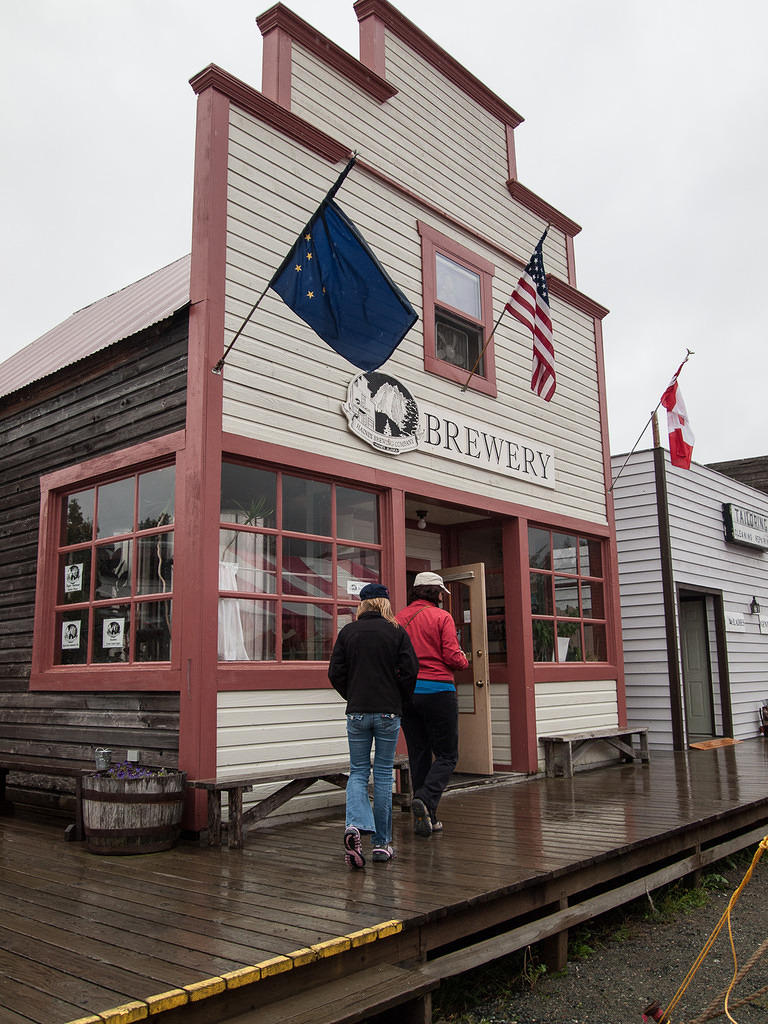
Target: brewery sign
x=384 y=413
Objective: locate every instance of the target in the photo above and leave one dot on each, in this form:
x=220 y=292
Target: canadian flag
x=681 y=437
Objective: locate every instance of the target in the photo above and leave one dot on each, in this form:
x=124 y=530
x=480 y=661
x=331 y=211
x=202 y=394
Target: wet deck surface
x=81 y=933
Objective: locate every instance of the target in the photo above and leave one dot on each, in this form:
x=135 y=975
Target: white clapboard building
x=693 y=553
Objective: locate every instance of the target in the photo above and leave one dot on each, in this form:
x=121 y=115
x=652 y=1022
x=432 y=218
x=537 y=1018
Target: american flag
x=529 y=303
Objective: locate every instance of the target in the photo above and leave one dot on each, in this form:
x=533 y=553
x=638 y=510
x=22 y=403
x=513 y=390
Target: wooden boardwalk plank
x=52 y=988
x=148 y=921
x=101 y=927
x=21 y=1003
x=80 y=933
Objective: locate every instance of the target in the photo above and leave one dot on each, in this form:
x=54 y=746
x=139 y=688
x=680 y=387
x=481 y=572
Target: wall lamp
x=422 y=520
x=754 y=607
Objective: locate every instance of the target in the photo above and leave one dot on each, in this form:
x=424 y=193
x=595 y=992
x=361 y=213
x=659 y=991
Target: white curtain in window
x=231 y=637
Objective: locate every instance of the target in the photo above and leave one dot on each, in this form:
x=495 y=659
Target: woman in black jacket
x=374 y=667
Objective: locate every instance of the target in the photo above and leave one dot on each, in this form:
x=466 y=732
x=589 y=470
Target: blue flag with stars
x=332 y=280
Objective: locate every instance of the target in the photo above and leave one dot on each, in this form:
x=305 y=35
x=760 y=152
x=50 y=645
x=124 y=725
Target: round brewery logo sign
x=382 y=412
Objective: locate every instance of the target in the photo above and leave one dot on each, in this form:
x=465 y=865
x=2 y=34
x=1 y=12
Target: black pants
x=431 y=729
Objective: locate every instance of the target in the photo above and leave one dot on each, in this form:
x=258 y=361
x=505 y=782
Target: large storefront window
x=293 y=555
x=567 y=596
x=114 y=595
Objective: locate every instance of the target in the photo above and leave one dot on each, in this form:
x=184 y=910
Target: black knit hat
x=371 y=590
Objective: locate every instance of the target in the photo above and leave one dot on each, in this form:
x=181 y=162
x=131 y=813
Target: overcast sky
x=646 y=122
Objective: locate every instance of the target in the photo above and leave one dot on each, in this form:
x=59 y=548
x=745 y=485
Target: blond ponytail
x=380 y=605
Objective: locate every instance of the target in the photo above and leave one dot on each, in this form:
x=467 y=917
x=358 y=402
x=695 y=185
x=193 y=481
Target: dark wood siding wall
x=753 y=472
x=129 y=393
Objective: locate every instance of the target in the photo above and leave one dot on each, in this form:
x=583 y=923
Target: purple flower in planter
x=129 y=770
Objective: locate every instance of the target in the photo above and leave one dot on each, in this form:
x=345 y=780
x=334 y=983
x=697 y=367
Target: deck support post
x=415 y=1011
x=554 y=950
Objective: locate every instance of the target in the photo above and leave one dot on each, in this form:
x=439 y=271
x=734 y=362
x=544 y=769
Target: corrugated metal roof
x=117 y=316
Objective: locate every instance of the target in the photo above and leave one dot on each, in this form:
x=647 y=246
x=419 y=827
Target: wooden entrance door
x=467 y=586
x=697 y=680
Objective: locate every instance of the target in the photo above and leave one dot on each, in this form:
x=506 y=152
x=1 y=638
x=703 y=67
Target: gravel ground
x=642 y=957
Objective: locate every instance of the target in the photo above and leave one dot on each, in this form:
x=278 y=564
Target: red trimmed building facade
x=206 y=564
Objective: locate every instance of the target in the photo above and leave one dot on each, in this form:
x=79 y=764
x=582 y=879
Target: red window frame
x=578 y=578
x=432 y=243
x=280 y=596
x=45 y=674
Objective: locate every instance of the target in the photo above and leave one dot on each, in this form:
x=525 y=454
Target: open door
x=467 y=586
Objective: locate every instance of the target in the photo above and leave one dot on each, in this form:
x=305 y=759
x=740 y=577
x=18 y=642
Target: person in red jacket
x=431 y=720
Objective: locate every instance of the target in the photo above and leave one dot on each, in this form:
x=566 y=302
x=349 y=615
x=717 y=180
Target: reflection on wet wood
x=81 y=933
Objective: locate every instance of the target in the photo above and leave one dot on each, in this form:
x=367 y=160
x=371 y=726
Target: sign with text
x=73 y=578
x=384 y=413
x=113 y=633
x=743 y=526
x=451 y=436
x=70 y=635
x=734 y=622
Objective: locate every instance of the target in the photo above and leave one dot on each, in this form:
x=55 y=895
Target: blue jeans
x=362 y=731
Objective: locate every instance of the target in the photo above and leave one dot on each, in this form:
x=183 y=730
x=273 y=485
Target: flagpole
x=219 y=367
x=651 y=419
x=482 y=353
x=488 y=341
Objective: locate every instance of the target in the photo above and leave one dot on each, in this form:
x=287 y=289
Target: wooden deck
x=201 y=935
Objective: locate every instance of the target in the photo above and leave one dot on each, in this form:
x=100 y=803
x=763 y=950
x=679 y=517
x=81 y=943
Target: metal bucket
x=103 y=758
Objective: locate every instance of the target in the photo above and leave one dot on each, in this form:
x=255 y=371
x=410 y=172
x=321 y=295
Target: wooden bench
x=60 y=767
x=560 y=752
x=296 y=781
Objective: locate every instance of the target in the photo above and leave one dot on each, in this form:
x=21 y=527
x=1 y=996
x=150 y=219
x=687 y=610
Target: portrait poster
x=70 y=635
x=73 y=578
x=113 y=632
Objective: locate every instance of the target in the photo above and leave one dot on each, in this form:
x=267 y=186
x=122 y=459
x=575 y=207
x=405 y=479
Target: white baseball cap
x=430 y=579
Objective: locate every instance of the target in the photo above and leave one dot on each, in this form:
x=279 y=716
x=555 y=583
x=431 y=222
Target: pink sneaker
x=382 y=853
x=353 y=847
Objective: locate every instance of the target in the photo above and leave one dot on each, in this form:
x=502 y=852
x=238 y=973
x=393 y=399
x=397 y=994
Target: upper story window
x=114 y=590
x=567 y=596
x=458 y=313
x=293 y=555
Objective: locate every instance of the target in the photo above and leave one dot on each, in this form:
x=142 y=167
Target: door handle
x=479 y=682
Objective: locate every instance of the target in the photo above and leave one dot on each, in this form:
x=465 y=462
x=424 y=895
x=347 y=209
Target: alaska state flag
x=332 y=280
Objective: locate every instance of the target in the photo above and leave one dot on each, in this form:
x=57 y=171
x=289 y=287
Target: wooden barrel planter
x=132 y=815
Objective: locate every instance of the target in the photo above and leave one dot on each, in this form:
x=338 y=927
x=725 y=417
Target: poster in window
x=73 y=578
x=113 y=632
x=70 y=636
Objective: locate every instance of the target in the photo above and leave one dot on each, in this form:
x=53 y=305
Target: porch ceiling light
x=422 y=519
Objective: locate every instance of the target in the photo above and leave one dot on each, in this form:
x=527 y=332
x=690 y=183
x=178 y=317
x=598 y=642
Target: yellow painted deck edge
x=126 y=1013
x=141 y=1009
